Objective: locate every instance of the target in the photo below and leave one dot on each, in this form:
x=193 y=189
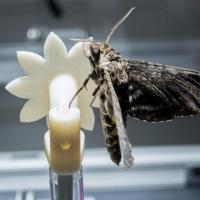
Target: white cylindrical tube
x=64 y=126
x=64 y=140
x=61 y=90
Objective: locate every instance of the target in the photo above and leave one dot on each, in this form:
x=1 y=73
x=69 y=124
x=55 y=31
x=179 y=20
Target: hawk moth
x=148 y=91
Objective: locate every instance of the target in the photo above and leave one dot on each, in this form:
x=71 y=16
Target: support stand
x=66 y=187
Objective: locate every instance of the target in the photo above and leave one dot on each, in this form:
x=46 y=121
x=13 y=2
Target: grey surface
x=157 y=19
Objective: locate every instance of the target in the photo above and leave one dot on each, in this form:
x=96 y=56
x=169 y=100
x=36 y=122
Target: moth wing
x=109 y=127
x=160 y=92
x=125 y=146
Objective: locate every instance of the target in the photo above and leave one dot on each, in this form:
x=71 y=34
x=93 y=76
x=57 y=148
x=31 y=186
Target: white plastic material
x=47 y=145
x=64 y=148
x=41 y=71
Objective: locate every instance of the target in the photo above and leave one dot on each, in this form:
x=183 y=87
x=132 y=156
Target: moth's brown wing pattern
x=109 y=126
x=110 y=109
x=160 y=92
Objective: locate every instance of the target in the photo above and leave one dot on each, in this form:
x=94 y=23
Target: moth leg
x=91 y=62
x=95 y=94
x=79 y=90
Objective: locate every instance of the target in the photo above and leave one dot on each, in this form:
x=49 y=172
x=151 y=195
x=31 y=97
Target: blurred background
x=165 y=31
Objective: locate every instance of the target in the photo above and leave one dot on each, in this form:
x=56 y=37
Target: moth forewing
x=109 y=124
x=125 y=146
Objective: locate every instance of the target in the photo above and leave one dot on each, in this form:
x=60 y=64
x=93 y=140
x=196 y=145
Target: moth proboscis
x=147 y=91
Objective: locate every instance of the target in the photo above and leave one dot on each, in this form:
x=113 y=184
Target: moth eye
x=96 y=52
x=102 y=97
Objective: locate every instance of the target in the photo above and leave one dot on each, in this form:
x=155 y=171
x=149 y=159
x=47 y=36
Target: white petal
x=20 y=87
x=33 y=110
x=87 y=114
x=32 y=63
x=87 y=119
x=78 y=57
x=54 y=49
x=27 y=87
x=95 y=104
x=78 y=51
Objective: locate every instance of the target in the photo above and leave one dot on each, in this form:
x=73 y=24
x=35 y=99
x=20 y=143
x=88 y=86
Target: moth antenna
x=76 y=39
x=90 y=39
x=82 y=39
x=118 y=23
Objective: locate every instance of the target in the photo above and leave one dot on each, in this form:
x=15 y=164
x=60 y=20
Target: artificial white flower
x=41 y=71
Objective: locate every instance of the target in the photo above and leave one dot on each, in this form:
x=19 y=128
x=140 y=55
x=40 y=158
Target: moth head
x=92 y=50
x=95 y=52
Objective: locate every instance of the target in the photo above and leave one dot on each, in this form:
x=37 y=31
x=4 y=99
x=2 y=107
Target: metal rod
x=65 y=187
